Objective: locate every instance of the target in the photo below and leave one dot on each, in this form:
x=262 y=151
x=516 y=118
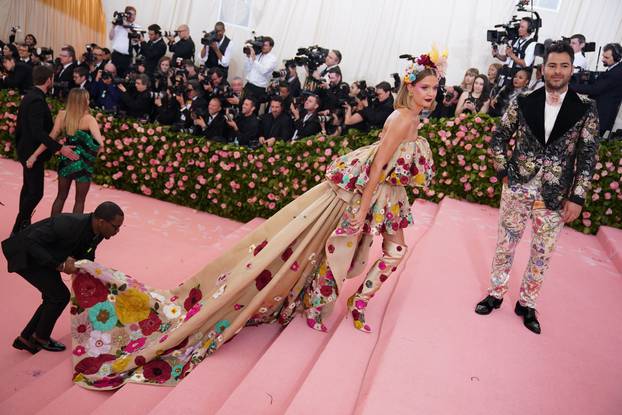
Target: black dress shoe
x=20 y=344
x=487 y=305
x=529 y=317
x=50 y=345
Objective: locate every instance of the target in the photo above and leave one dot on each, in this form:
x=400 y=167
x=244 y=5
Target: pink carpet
x=429 y=352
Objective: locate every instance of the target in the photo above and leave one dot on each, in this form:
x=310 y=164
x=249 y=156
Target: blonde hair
x=77 y=107
x=471 y=71
x=402 y=100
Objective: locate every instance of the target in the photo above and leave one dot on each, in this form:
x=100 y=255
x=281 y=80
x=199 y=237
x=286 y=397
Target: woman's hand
x=359 y=217
x=30 y=162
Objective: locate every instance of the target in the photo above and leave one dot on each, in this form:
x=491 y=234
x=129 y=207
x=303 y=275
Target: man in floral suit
x=546 y=177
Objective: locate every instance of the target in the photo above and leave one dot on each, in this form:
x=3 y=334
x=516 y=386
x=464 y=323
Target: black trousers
x=121 y=62
x=55 y=296
x=256 y=92
x=30 y=195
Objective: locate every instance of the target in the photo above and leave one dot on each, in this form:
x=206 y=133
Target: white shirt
x=529 y=52
x=579 y=62
x=120 y=40
x=259 y=71
x=226 y=57
x=550 y=114
x=64 y=67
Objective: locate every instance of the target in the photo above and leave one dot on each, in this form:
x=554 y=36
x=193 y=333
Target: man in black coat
x=276 y=124
x=34 y=123
x=607 y=89
x=154 y=49
x=18 y=75
x=184 y=47
x=307 y=123
x=42 y=251
x=139 y=104
x=64 y=72
x=244 y=130
x=212 y=124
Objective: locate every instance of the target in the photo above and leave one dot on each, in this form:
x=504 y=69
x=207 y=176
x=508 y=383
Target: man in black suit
x=607 y=89
x=42 y=251
x=307 y=122
x=546 y=178
x=275 y=125
x=184 y=47
x=34 y=123
x=18 y=75
x=154 y=49
x=244 y=130
x=64 y=73
x=139 y=103
x=212 y=124
x=192 y=103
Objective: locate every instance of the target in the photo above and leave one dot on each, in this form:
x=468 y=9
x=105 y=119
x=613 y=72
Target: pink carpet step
x=611 y=239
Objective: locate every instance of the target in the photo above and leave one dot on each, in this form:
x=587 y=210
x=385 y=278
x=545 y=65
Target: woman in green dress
x=82 y=134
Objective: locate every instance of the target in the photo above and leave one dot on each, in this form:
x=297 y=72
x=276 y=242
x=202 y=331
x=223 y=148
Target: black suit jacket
x=34 y=124
x=152 y=51
x=66 y=77
x=183 y=48
x=139 y=104
x=215 y=130
x=49 y=242
x=607 y=91
x=280 y=128
x=567 y=159
x=19 y=78
x=310 y=127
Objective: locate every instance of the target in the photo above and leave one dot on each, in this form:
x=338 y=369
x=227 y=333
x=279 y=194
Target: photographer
x=215 y=85
x=24 y=54
x=184 y=47
x=154 y=49
x=106 y=95
x=306 y=122
x=98 y=62
x=521 y=53
x=292 y=79
x=258 y=70
x=332 y=61
x=275 y=125
x=194 y=103
x=162 y=75
x=286 y=96
x=191 y=70
x=245 y=127
x=15 y=74
x=217 y=54
x=607 y=89
x=577 y=42
x=166 y=108
x=119 y=35
x=377 y=113
x=63 y=78
x=140 y=103
x=353 y=118
x=80 y=79
x=212 y=124
x=334 y=91
x=233 y=97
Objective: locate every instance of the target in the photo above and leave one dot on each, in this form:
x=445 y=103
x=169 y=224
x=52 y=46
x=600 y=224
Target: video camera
x=256 y=43
x=210 y=37
x=507 y=33
x=311 y=57
x=119 y=17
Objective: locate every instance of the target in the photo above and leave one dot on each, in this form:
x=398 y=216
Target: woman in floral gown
x=295 y=261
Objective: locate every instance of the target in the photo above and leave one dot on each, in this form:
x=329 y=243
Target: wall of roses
x=242 y=184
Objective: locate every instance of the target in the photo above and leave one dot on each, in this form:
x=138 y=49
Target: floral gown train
x=124 y=331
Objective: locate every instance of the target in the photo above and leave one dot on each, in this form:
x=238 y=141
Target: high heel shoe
x=355 y=309
x=314 y=319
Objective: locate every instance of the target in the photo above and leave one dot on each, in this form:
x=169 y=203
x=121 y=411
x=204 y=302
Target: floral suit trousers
x=518 y=203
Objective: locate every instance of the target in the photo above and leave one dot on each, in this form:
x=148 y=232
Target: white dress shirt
x=120 y=40
x=550 y=113
x=259 y=71
x=579 y=62
x=226 y=57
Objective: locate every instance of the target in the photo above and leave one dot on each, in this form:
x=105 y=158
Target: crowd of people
x=153 y=76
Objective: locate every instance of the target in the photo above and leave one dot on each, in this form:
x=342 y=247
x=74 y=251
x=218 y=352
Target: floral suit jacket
x=567 y=158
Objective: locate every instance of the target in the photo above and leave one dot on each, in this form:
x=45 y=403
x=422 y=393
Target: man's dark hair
x=130 y=8
x=195 y=84
x=269 y=40
x=559 y=47
x=8 y=58
x=615 y=49
x=41 y=73
x=579 y=37
x=81 y=71
x=335 y=70
x=252 y=100
x=144 y=79
x=529 y=21
x=384 y=85
x=107 y=211
x=284 y=84
x=317 y=99
x=106 y=51
x=215 y=70
x=219 y=24
x=336 y=52
x=155 y=28
x=278 y=99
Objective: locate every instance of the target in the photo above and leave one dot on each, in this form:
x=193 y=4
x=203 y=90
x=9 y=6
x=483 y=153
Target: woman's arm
x=94 y=129
x=351 y=118
x=484 y=109
x=392 y=138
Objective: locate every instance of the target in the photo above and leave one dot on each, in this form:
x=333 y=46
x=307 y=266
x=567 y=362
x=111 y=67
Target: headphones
x=530 y=24
x=616 y=51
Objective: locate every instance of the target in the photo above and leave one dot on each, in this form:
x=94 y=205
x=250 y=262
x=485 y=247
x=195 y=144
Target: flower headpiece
x=421 y=63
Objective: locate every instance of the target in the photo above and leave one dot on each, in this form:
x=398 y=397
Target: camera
x=256 y=43
x=209 y=37
x=119 y=17
x=155 y=95
x=312 y=57
x=281 y=74
x=584 y=77
x=324 y=118
x=507 y=33
x=350 y=101
x=198 y=113
x=135 y=34
x=231 y=113
x=173 y=33
x=588 y=47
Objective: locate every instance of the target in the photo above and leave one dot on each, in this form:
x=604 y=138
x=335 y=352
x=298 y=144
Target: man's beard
x=562 y=86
